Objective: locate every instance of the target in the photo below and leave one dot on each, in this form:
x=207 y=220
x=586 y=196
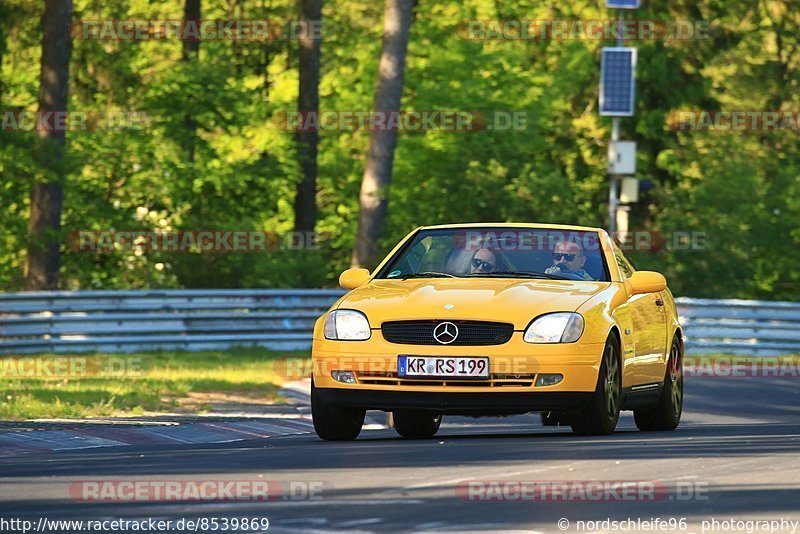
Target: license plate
x=442 y=367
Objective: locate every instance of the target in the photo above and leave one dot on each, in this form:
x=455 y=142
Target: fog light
x=344 y=376
x=548 y=380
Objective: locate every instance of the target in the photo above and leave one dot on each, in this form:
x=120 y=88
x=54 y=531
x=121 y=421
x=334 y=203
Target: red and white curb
x=71 y=435
x=87 y=435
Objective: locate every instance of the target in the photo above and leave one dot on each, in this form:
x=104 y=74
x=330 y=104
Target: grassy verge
x=105 y=384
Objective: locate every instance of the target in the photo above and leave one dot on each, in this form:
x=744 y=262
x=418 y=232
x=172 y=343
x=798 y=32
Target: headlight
x=555 y=328
x=347 y=325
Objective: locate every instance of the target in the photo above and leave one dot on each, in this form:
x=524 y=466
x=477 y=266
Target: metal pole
x=613 y=204
x=613 y=196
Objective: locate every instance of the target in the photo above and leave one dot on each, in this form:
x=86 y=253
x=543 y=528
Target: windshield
x=500 y=253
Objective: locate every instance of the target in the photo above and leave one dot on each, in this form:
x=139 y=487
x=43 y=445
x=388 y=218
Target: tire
x=554 y=419
x=416 y=424
x=335 y=423
x=600 y=416
x=666 y=415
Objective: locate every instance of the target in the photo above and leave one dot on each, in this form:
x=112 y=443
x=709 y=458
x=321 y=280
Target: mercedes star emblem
x=445 y=333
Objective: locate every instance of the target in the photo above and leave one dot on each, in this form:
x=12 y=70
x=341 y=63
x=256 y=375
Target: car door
x=649 y=325
x=649 y=333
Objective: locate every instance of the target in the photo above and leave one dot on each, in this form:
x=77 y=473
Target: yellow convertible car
x=499 y=319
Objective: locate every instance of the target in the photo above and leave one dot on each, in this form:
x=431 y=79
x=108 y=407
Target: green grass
x=143 y=383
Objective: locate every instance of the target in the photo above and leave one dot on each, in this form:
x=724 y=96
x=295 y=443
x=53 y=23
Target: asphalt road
x=736 y=456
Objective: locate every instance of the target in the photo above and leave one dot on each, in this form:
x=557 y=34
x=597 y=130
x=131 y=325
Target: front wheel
x=335 y=423
x=667 y=413
x=416 y=424
x=600 y=416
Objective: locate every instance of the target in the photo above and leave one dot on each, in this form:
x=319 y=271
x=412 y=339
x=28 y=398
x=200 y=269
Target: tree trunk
x=374 y=198
x=191 y=50
x=305 y=202
x=44 y=227
x=191 y=12
x=4 y=14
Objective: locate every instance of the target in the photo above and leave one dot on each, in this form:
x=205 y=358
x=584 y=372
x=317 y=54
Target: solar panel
x=623 y=4
x=617 y=84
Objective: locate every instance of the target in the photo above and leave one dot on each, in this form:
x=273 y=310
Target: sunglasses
x=482 y=265
x=558 y=257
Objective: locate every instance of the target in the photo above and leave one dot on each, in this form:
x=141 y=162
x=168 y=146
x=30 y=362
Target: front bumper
x=513 y=367
x=451 y=403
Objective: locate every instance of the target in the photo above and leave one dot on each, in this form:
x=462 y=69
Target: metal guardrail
x=746 y=327
x=134 y=321
x=282 y=319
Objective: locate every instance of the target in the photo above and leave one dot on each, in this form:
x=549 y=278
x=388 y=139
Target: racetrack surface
x=735 y=455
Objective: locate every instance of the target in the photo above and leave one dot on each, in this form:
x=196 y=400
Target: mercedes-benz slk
x=499 y=319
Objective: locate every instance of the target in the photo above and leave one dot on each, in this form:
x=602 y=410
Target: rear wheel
x=335 y=423
x=416 y=424
x=667 y=413
x=600 y=416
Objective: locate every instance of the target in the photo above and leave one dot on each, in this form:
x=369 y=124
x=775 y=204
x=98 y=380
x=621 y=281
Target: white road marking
x=359 y=522
x=343 y=502
x=452 y=481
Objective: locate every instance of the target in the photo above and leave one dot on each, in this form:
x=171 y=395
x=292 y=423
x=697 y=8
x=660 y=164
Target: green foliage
x=233 y=167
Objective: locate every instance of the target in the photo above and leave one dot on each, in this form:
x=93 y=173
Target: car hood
x=485 y=299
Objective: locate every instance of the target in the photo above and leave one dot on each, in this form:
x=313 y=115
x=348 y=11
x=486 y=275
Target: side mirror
x=647 y=282
x=353 y=278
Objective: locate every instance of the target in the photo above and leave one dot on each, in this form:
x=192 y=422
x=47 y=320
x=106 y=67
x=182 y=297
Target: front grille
x=496 y=380
x=474 y=333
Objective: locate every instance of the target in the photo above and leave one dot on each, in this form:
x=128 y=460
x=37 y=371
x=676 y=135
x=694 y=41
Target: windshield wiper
x=426 y=274
x=520 y=274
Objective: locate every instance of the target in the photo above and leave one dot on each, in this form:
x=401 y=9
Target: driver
x=569 y=259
